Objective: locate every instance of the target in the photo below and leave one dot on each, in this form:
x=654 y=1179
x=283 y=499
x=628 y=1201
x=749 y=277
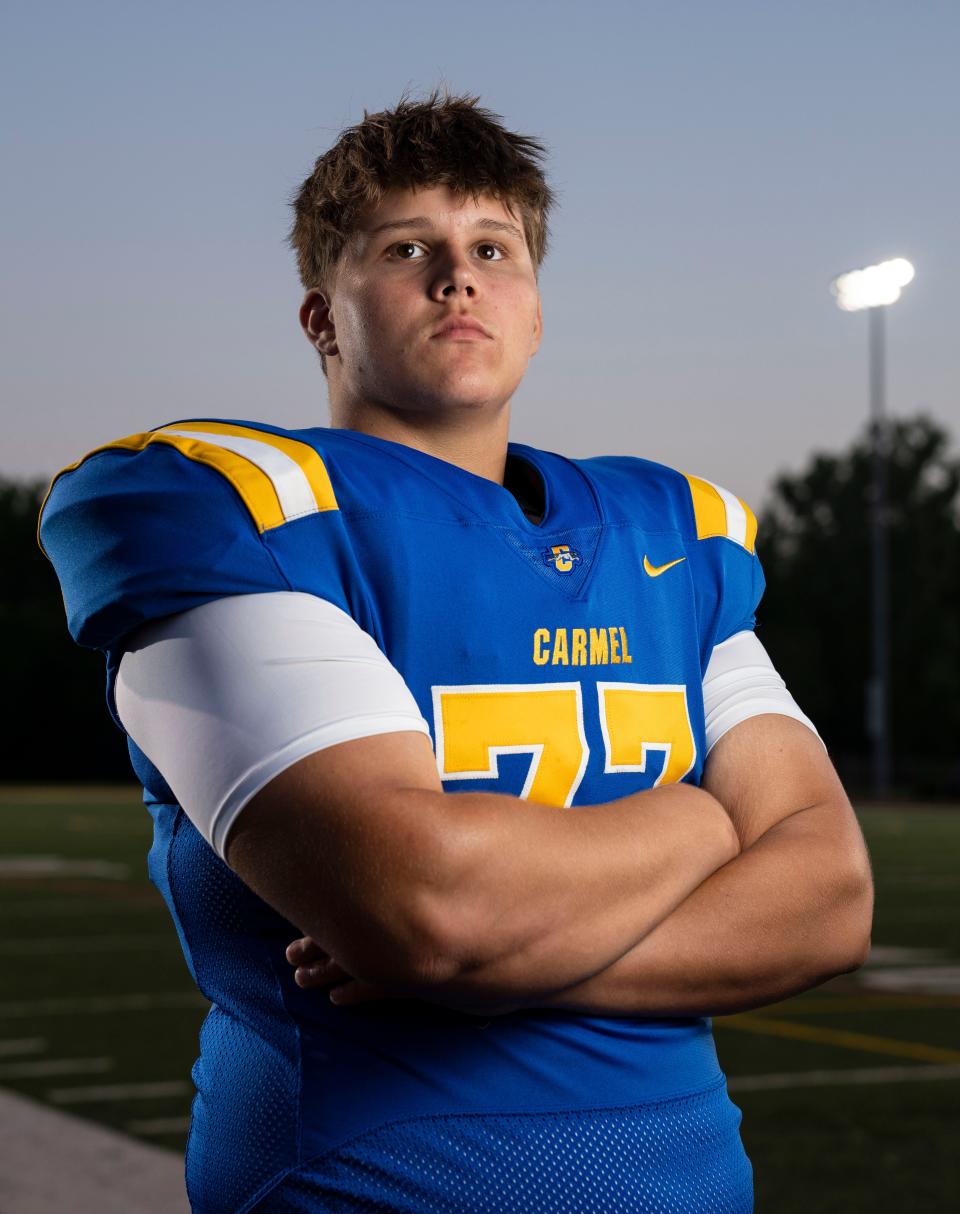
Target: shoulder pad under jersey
x=165 y=520
x=729 y=580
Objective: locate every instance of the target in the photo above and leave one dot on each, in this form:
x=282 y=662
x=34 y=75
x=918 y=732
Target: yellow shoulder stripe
x=278 y=478
x=307 y=493
x=750 y=540
x=720 y=512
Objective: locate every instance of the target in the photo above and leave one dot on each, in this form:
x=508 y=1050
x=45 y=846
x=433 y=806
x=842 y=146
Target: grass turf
x=75 y=939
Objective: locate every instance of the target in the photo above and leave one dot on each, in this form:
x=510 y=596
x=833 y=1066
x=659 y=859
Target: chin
x=462 y=391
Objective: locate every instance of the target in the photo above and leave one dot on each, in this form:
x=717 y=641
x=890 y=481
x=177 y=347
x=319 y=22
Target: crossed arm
x=736 y=927
x=792 y=910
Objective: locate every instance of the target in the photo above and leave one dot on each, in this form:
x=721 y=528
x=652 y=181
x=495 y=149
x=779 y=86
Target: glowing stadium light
x=873 y=287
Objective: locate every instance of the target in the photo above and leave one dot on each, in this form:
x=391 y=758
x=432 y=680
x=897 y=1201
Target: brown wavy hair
x=443 y=140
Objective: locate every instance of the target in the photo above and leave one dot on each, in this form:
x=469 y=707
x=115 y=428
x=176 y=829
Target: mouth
x=460 y=335
x=461 y=328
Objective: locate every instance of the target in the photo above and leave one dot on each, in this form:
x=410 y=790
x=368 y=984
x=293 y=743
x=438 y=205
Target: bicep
x=765 y=769
x=765 y=760
x=772 y=774
x=339 y=844
x=293 y=745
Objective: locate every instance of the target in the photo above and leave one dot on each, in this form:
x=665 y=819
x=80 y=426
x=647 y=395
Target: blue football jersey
x=560 y=661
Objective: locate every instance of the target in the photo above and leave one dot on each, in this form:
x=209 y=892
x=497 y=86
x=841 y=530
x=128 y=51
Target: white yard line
x=892 y=954
x=853 y=1076
x=60 y=795
x=15 y=1047
x=44 y=946
x=159 y=1125
x=33 y=908
x=53 y=1162
x=48 y=1067
x=32 y=867
x=95 y=1004
x=918 y=979
x=103 y=1092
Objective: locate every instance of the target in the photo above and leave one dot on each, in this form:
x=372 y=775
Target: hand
x=316 y=969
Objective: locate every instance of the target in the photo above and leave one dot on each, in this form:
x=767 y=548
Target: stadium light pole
x=874 y=288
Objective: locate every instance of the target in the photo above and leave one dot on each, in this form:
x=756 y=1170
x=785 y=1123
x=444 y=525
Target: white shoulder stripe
x=736 y=515
x=293 y=489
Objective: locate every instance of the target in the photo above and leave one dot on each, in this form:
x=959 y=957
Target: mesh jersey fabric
x=680 y=1156
x=598 y=623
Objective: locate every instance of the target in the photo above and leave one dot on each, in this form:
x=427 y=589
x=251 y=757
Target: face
x=417 y=261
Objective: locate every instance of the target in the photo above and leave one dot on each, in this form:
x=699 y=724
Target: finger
x=320 y=974
x=295 y=949
x=307 y=976
x=305 y=950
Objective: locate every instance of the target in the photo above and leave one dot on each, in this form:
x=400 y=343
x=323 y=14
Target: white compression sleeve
x=225 y=696
x=741 y=682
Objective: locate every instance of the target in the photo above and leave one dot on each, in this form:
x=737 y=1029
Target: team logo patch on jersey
x=562 y=557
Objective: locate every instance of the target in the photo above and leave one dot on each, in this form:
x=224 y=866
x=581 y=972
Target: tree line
x=814 y=543
x=814 y=620
x=57 y=727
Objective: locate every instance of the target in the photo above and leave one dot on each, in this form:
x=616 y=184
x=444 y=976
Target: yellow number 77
x=476 y=724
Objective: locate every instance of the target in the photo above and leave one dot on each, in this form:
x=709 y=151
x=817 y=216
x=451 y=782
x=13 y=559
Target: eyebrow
x=422 y=221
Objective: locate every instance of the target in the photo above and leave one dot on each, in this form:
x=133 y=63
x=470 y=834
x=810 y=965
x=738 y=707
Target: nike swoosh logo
x=656 y=570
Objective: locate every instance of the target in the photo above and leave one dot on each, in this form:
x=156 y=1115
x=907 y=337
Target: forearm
x=793 y=909
x=781 y=918
x=553 y=896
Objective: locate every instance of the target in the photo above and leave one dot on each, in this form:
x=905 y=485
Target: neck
x=477 y=444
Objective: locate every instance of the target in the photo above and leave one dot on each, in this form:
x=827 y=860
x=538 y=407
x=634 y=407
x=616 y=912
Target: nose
x=455 y=276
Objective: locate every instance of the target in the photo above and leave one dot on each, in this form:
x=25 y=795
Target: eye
x=407 y=244
x=406 y=250
x=490 y=248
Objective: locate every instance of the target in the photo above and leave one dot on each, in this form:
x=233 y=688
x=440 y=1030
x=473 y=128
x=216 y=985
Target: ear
x=537 y=329
x=316 y=320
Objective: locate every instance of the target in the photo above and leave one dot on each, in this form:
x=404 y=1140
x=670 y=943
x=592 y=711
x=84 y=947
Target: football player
x=477 y=735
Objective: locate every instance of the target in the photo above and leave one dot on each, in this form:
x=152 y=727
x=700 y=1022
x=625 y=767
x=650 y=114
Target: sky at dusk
x=716 y=166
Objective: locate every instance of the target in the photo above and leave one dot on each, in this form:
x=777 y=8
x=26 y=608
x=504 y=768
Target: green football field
x=850 y=1094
